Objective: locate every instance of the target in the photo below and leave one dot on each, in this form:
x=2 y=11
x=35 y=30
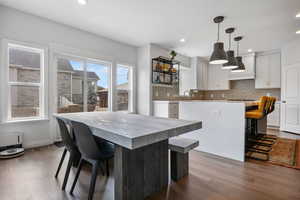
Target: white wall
x=156 y=51
x=144 y=89
x=19 y=26
x=290 y=53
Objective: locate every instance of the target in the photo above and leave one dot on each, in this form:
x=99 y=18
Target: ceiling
x=265 y=24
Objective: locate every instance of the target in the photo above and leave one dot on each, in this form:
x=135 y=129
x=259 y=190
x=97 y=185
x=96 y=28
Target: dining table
x=141 y=158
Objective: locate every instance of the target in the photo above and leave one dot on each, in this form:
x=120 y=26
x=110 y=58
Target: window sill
x=25 y=120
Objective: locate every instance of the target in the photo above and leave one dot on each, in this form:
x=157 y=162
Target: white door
x=290 y=112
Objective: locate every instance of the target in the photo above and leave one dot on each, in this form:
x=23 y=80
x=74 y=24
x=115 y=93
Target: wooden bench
x=180 y=148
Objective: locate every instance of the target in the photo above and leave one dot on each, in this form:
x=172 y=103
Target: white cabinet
x=167 y=109
x=217 y=78
x=187 y=79
x=202 y=72
x=274 y=117
x=203 y=76
x=268 y=70
x=249 y=73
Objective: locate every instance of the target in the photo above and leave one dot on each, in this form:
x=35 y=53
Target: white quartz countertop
x=131 y=130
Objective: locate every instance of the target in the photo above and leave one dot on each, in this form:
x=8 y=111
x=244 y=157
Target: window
x=98 y=82
x=70 y=85
x=82 y=85
x=25 y=82
x=124 y=88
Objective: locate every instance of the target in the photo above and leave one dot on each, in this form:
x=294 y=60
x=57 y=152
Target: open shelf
x=165 y=72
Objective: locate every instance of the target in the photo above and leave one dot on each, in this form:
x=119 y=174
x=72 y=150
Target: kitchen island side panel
x=223 y=131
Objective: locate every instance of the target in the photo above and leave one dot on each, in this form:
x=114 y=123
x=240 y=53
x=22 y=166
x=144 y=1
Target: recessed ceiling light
x=82 y=2
x=298 y=32
x=182 y=40
x=249 y=50
x=298 y=15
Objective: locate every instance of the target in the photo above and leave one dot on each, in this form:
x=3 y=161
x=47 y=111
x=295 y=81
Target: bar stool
x=254 y=115
x=265 y=107
x=71 y=147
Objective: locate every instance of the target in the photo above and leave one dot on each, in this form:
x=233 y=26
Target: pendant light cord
x=229 y=41
x=237 y=48
x=218 y=32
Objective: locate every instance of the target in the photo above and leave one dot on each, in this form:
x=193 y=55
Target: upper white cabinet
x=187 y=79
x=203 y=76
x=249 y=62
x=217 y=78
x=268 y=70
x=201 y=72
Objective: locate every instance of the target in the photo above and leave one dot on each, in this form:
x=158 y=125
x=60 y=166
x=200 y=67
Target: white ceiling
x=265 y=24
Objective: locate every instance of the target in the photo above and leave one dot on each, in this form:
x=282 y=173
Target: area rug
x=286 y=152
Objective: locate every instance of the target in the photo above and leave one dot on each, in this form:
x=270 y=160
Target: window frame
x=130 y=86
x=84 y=61
x=43 y=112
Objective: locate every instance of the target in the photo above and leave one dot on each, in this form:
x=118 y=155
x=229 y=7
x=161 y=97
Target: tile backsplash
x=161 y=92
x=240 y=89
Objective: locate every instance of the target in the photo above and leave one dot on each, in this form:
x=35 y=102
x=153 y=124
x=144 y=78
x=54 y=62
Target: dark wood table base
x=140 y=172
x=179 y=165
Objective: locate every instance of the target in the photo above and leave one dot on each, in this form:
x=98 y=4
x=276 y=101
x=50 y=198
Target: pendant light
x=218 y=56
x=241 y=66
x=232 y=62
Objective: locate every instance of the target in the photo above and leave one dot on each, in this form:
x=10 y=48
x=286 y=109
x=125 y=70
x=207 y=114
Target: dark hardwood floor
x=31 y=177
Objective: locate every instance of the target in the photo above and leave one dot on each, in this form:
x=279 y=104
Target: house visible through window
x=98 y=80
x=82 y=85
x=70 y=80
x=124 y=87
x=25 y=82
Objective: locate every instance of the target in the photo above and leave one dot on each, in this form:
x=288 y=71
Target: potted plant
x=173 y=54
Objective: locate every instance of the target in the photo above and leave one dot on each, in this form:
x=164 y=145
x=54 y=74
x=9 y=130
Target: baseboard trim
x=273 y=127
x=38 y=143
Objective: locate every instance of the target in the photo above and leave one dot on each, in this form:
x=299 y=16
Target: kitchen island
x=223 y=131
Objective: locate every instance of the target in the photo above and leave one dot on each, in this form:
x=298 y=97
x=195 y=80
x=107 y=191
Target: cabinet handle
x=283 y=101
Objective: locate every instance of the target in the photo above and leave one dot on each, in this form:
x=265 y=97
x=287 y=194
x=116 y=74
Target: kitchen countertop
x=247 y=102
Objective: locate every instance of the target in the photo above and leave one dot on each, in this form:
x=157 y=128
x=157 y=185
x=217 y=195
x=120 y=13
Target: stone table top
x=131 y=130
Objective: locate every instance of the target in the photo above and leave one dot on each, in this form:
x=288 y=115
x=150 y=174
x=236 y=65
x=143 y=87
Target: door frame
x=283 y=126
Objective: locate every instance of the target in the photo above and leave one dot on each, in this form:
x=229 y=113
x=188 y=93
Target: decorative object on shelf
x=173 y=70
x=173 y=54
x=241 y=66
x=218 y=56
x=232 y=62
x=165 y=71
